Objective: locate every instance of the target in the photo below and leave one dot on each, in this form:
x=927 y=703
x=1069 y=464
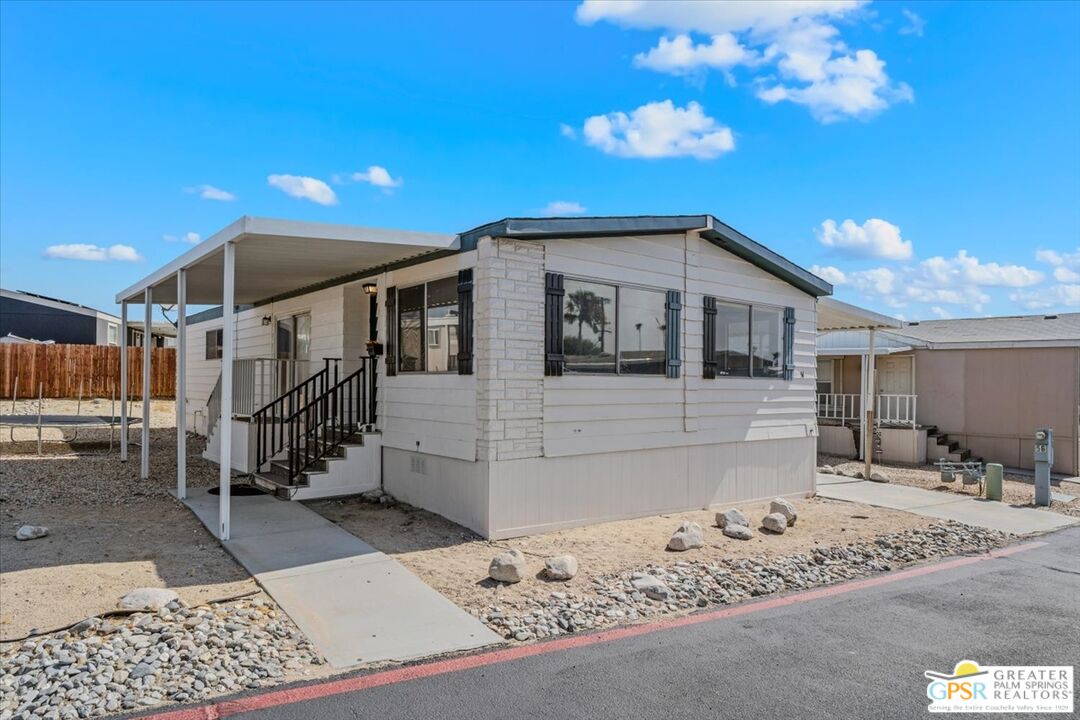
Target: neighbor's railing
x=888 y=409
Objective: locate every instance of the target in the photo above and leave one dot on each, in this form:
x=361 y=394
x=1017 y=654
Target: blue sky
x=924 y=157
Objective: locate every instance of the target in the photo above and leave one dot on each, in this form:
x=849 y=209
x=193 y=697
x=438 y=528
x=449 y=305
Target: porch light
x=266 y=320
x=370 y=289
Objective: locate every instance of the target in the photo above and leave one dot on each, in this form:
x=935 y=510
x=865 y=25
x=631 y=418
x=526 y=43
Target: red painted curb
x=439 y=667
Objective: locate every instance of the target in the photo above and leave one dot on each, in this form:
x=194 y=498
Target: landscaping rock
x=560 y=567
x=785 y=508
x=147 y=599
x=508 y=567
x=827 y=470
x=878 y=476
x=839 y=472
x=739 y=532
x=687 y=537
x=31 y=532
x=653 y=587
x=731 y=517
x=775 y=522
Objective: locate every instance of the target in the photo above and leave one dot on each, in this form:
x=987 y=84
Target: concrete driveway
x=943 y=505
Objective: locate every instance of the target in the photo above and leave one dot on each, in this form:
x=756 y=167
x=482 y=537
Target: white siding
x=433 y=413
x=597 y=414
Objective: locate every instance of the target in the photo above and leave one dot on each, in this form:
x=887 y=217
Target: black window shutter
x=708 y=368
x=391 y=331
x=671 y=338
x=465 y=322
x=553 y=324
x=789 y=343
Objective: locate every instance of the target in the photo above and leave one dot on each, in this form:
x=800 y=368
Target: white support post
x=868 y=438
x=123 y=381
x=228 y=303
x=181 y=383
x=148 y=299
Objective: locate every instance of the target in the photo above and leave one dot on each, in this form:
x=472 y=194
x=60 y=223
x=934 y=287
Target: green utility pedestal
x=993 y=481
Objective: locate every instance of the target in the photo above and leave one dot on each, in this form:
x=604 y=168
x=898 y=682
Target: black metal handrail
x=270 y=420
x=321 y=424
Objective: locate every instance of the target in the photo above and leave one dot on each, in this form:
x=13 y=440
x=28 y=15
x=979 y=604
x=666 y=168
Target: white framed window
x=113 y=334
x=825 y=376
x=433 y=337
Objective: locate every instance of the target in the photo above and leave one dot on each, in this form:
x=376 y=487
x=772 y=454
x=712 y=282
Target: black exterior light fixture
x=373 y=344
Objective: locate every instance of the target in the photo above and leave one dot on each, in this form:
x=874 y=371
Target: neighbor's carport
x=835 y=315
x=253 y=260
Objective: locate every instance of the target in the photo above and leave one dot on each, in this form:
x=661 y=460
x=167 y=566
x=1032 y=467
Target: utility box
x=1044 y=461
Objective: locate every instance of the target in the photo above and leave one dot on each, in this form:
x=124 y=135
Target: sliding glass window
x=427 y=327
x=608 y=329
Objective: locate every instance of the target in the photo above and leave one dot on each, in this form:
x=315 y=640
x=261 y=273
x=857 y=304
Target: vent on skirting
x=418 y=464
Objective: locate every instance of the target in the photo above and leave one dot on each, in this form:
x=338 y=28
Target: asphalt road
x=859 y=654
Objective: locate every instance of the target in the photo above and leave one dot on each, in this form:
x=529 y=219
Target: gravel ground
x=82 y=473
x=178 y=654
x=1016 y=489
x=681 y=587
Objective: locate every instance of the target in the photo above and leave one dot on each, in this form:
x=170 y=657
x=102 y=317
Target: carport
x=252 y=261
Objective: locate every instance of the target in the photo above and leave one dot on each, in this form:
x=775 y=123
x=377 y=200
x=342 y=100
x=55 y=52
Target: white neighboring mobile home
x=524 y=376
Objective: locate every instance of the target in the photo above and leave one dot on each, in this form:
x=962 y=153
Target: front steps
x=355 y=466
x=939 y=446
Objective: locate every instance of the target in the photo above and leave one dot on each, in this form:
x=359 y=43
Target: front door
x=894 y=375
x=292 y=344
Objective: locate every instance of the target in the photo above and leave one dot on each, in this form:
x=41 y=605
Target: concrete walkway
x=354 y=603
x=943 y=505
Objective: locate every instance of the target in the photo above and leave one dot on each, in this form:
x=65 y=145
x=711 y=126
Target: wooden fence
x=95 y=369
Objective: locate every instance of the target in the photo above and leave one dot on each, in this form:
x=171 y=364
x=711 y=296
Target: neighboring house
x=38 y=318
x=28 y=317
x=530 y=374
x=958 y=389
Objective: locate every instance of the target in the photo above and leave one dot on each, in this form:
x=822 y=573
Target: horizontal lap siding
x=420 y=412
x=596 y=414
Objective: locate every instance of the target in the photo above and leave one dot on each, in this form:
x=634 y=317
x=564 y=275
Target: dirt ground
x=1016 y=490
x=109 y=530
x=455 y=560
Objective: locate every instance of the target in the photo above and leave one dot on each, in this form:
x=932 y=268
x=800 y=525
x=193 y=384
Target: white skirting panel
x=455 y=489
x=543 y=494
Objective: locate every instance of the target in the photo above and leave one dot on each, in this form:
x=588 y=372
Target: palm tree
x=585 y=307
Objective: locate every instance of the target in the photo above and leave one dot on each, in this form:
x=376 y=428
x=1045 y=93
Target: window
x=613 y=330
x=428 y=311
x=112 y=335
x=748 y=341
x=213 y=344
x=824 y=376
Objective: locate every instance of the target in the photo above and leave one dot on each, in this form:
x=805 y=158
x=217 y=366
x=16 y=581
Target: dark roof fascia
x=713 y=230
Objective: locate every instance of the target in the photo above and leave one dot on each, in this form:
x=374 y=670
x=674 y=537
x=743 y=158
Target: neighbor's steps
x=940 y=447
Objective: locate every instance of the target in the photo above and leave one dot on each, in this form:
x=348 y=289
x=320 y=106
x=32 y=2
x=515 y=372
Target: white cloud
x=830 y=274
x=188 y=237
x=941 y=312
x=967 y=269
x=1063 y=295
x=875 y=238
x=878 y=281
x=305 y=188
x=209 y=192
x=915 y=25
x=815 y=67
x=563 y=207
x=659 y=130
x=379 y=177
x=567 y=131
x=94 y=253
x=1066 y=266
x=679 y=55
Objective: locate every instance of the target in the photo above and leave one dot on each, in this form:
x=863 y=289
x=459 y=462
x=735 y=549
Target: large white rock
x=687 y=537
x=653 y=587
x=147 y=599
x=878 y=476
x=560 y=567
x=785 y=508
x=731 y=517
x=775 y=522
x=739 y=532
x=31 y=532
x=827 y=470
x=508 y=567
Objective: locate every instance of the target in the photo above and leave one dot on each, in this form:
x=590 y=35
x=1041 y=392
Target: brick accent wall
x=509 y=327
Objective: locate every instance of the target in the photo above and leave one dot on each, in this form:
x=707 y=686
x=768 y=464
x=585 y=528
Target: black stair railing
x=319 y=423
x=271 y=437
